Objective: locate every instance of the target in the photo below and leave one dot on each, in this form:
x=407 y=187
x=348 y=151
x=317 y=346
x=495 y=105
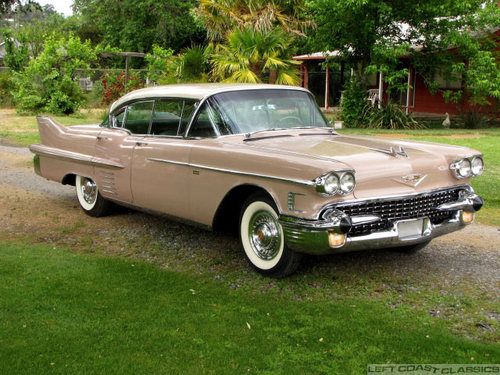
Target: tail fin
x=49 y=130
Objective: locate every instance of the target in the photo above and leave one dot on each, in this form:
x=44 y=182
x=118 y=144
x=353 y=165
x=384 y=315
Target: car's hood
x=390 y=166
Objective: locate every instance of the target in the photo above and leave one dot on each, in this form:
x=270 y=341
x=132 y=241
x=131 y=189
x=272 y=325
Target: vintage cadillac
x=262 y=160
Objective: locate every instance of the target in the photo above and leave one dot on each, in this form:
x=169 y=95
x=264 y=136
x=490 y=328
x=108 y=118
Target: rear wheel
x=91 y=201
x=262 y=239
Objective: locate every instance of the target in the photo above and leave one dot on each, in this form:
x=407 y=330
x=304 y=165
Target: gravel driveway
x=470 y=255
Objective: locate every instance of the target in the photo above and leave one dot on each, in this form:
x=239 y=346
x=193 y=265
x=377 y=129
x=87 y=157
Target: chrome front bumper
x=312 y=236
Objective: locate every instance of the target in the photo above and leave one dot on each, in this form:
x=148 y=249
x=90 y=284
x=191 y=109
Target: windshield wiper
x=249 y=135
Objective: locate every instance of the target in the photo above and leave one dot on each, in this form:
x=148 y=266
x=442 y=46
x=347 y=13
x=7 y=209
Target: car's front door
x=160 y=167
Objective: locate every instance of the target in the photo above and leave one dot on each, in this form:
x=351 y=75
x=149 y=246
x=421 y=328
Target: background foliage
x=49 y=82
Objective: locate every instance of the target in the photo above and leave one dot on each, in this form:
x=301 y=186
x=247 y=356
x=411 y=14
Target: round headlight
x=464 y=168
x=477 y=166
x=347 y=183
x=331 y=184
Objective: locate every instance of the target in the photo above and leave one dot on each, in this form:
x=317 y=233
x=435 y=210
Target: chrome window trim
x=195 y=116
x=233 y=171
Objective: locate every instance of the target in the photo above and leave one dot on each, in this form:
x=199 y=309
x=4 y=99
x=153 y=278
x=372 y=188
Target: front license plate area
x=410 y=229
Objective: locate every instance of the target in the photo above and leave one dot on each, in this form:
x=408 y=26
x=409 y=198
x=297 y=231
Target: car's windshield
x=256 y=110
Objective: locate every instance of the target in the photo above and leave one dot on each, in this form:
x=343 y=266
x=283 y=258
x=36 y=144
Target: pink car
x=262 y=160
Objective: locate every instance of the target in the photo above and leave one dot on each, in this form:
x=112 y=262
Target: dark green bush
x=6 y=88
x=389 y=116
x=353 y=103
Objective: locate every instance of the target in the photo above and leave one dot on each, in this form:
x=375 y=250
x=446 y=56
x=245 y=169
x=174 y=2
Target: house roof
x=317 y=55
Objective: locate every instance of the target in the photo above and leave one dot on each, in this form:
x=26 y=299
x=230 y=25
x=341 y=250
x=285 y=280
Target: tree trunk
x=273 y=75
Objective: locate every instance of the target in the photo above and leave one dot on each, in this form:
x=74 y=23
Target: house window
x=449 y=82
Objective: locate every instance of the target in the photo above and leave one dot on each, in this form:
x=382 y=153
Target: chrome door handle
x=140 y=144
x=100 y=138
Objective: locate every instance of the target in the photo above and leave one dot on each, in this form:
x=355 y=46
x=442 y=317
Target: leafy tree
x=16 y=52
x=6 y=5
x=161 y=65
x=220 y=17
x=440 y=36
x=136 y=25
x=50 y=81
x=255 y=56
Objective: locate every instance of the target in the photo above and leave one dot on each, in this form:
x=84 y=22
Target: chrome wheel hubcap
x=89 y=190
x=264 y=233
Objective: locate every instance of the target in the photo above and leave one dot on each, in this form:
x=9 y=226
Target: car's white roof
x=196 y=91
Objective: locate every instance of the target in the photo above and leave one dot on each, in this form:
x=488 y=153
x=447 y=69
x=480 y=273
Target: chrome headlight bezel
x=330 y=184
x=463 y=168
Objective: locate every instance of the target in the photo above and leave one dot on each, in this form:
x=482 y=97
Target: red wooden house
x=327 y=85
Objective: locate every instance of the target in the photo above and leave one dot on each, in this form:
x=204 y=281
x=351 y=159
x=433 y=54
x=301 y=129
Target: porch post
x=408 y=91
x=126 y=69
x=327 y=88
x=380 y=89
x=305 y=72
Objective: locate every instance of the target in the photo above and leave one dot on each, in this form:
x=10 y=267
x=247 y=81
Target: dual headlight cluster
x=332 y=183
x=468 y=167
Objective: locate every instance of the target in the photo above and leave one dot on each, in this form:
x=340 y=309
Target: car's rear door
x=160 y=167
x=115 y=145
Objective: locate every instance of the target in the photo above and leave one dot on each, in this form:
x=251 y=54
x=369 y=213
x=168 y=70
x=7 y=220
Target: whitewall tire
x=262 y=238
x=91 y=201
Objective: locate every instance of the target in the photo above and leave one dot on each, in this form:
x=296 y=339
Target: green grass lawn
x=23 y=130
x=62 y=312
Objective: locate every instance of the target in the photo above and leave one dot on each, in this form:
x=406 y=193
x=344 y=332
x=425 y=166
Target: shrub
x=193 y=64
x=389 y=116
x=353 y=103
x=473 y=119
x=50 y=81
x=6 y=88
x=114 y=86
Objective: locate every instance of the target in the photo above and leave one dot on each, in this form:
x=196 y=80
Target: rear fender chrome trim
x=57 y=153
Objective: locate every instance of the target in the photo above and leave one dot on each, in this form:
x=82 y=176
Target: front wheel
x=263 y=241
x=91 y=201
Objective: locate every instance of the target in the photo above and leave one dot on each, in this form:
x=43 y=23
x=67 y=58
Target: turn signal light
x=336 y=239
x=467 y=217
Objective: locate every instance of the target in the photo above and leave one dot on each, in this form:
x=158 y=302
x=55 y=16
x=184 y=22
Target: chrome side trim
x=233 y=171
x=57 y=153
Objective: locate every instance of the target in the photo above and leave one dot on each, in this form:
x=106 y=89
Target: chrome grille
x=400 y=208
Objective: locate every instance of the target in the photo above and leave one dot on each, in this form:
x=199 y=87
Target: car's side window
x=117 y=118
x=187 y=112
x=202 y=125
x=139 y=117
x=166 y=117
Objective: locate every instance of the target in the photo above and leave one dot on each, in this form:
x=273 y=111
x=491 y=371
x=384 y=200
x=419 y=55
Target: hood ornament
x=400 y=151
x=412 y=180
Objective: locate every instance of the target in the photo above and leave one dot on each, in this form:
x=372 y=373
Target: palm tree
x=222 y=16
x=253 y=56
